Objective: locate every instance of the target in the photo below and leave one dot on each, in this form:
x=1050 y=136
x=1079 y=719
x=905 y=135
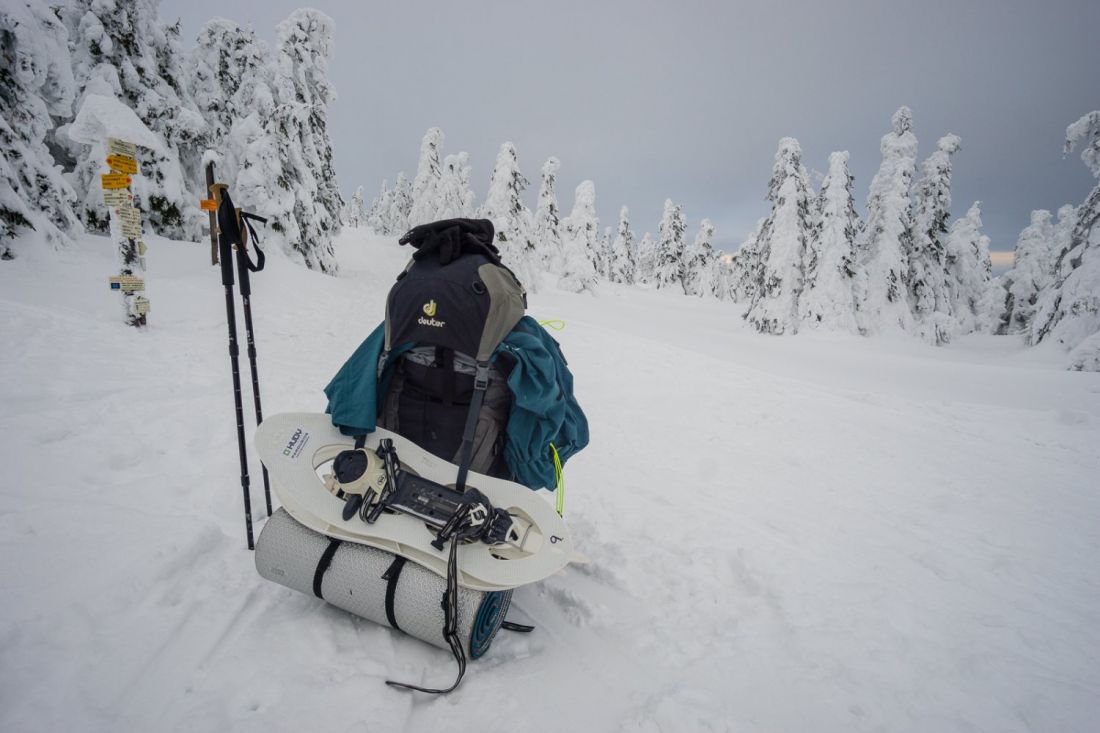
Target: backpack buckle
x=481 y=377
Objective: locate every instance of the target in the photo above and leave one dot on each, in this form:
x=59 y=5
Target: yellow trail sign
x=115 y=180
x=208 y=205
x=122 y=163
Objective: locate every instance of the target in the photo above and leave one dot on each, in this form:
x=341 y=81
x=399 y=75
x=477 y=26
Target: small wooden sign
x=131 y=230
x=140 y=306
x=117 y=197
x=126 y=283
x=141 y=248
x=114 y=180
x=128 y=213
x=122 y=163
x=208 y=205
x=121 y=147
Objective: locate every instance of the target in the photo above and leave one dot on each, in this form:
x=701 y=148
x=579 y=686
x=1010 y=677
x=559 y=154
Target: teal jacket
x=544 y=410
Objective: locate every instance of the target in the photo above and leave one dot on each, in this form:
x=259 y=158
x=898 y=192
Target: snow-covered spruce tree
x=425 y=187
x=827 y=300
x=644 y=259
x=668 y=257
x=379 y=209
x=928 y=287
x=547 y=223
x=699 y=262
x=882 y=252
x=223 y=71
x=121 y=49
x=622 y=251
x=1070 y=314
x=357 y=214
x=36 y=85
x=969 y=272
x=299 y=130
x=1061 y=261
x=744 y=266
x=400 y=205
x=579 y=237
x=1031 y=272
x=602 y=259
x=782 y=244
x=511 y=218
x=454 y=197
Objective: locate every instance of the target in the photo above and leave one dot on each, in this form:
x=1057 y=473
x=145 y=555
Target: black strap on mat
x=518 y=628
x=391 y=577
x=450 y=627
x=322 y=566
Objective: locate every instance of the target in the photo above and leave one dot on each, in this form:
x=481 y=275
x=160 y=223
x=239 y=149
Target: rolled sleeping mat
x=375 y=584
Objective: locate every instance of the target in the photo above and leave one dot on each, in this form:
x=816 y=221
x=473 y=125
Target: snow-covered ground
x=816 y=533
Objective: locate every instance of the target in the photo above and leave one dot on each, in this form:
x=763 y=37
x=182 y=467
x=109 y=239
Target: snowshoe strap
x=518 y=628
x=465 y=454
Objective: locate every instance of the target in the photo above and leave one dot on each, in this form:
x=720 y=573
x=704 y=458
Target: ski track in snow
x=786 y=534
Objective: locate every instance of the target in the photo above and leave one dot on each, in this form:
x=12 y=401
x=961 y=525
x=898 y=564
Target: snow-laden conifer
x=699 y=271
x=882 y=253
x=928 y=286
x=454 y=199
x=782 y=244
x=645 y=259
x=827 y=299
x=621 y=268
x=510 y=216
x=288 y=171
x=425 y=187
x=744 y=266
x=1031 y=272
x=1070 y=313
x=36 y=84
x=969 y=271
x=227 y=69
x=580 y=232
x=668 y=257
x=356 y=211
x=400 y=205
x=547 y=222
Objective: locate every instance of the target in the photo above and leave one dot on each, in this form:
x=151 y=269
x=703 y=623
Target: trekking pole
x=226 y=257
x=244 y=266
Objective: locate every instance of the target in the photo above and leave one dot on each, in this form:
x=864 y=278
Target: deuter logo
x=292 y=442
x=431 y=322
x=429 y=308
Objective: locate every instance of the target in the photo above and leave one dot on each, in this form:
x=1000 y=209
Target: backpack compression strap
x=465 y=455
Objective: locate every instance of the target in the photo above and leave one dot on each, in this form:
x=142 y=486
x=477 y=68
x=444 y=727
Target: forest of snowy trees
x=259 y=111
x=571 y=248
x=262 y=109
x=813 y=262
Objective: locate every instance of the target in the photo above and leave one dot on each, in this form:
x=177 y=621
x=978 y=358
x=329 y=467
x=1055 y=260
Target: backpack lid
x=452 y=238
x=455 y=293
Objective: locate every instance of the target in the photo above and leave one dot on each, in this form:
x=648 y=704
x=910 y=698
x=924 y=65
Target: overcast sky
x=687 y=100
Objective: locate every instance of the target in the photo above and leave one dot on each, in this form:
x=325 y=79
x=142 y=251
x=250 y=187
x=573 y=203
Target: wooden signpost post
x=125 y=222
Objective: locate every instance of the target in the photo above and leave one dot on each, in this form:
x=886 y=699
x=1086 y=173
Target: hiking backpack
x=445 y=317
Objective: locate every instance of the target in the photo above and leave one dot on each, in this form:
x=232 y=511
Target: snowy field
x=816 y=533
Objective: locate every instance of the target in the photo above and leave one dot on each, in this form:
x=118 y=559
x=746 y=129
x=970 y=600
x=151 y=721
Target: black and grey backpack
x=445 y=317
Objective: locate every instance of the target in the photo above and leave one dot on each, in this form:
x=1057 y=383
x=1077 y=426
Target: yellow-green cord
x=553 y=324
x=559 y=475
